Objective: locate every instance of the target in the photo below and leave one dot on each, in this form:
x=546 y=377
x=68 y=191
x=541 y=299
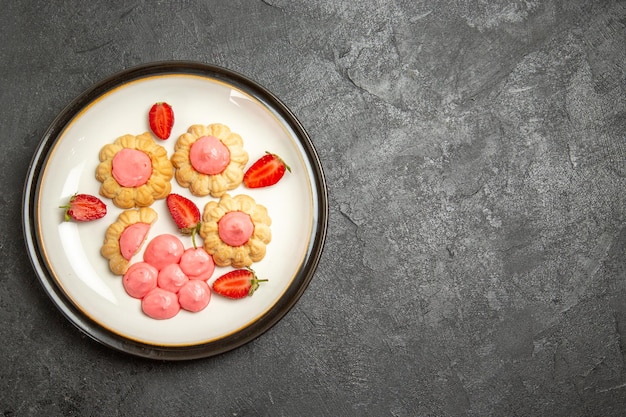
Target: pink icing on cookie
x=194 y=295
x=196 y=263
x=140 y=279
x=208 y=155
x=131 y=239
x=131 y=167
x=163 y=250
x=171 y=278
x=235 y=228
x=160 y=304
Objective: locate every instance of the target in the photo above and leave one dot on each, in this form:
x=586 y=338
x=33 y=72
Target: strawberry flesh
x=161 y=119
x=237 y=284
x=84 y=208
x=185 y=214
x=266 y=171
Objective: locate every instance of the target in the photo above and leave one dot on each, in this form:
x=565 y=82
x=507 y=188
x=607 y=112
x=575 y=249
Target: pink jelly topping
x=131 y=167
x=208 y=155
x=131 y=239
x=171 y=278
x=163 y=250
x=160 y=304
x=194 y=295
x=140 y=279
x=235 y=228
x=196 y=263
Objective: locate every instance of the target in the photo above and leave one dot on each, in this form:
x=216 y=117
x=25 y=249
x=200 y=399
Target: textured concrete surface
x=475 y=157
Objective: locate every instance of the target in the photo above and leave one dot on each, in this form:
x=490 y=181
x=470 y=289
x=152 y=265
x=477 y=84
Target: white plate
x=66 y=255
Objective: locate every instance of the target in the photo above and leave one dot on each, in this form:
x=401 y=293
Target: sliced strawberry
x=268 y=170
x=161 y=119
x=84 y=208
x=185 y=214
x=239 y=283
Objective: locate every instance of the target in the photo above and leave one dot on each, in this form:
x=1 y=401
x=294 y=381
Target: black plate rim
x=173 y=353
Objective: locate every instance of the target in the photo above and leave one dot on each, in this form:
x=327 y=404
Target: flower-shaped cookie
x=209 y=160
x=124 y=238
x=235 y=230
x=134 y=171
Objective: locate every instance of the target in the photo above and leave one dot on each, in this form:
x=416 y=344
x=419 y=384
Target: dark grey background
x=475 y=156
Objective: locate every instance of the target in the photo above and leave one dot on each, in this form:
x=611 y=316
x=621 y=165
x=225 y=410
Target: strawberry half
x=268 y=170
x=236 y=284
x=161 y=119
x=84 y=208
x=185 y=214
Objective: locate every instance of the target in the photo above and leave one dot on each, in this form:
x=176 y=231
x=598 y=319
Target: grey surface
x=475 y=157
